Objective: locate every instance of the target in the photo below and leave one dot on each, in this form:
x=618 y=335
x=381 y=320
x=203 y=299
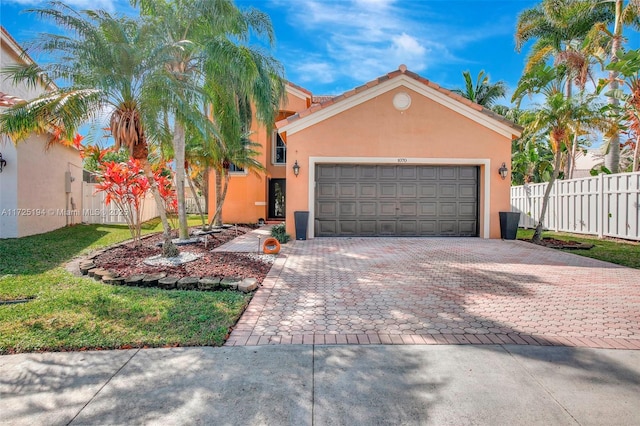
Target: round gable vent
x=402 y=101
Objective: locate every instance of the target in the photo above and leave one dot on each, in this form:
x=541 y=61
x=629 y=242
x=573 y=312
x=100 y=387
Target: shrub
x=279 y=233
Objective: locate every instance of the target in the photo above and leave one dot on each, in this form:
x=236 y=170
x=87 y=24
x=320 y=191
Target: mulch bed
x=560 y=244
x=128 y=259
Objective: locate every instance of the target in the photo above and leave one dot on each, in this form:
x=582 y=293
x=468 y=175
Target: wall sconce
x=296 y=168
x=3 y=162
x=503 y=171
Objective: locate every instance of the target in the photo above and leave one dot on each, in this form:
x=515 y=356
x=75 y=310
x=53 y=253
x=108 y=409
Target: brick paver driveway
x=441 y=290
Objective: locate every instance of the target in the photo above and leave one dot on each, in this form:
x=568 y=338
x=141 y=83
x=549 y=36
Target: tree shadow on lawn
x=39 y=253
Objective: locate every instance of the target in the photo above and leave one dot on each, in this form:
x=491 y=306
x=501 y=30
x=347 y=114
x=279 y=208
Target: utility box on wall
x=67 y=182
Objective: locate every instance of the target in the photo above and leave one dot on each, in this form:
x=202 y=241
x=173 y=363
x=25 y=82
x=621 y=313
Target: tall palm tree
x=483 y=92
x=107 y=65
x=205 y=42
x=628 y=14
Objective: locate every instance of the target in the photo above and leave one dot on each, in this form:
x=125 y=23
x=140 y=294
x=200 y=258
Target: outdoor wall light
x=296 y=168
x=503 y=171
x=3 y=162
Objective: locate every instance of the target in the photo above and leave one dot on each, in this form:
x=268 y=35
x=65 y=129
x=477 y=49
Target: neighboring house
x=398 y=156
x=40 y=189
x=585 y=161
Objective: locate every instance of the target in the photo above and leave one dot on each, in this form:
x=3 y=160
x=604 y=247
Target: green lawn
x=614 y=251
x=70 y=313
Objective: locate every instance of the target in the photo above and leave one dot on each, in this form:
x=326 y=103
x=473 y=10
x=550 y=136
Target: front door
x=277 y=191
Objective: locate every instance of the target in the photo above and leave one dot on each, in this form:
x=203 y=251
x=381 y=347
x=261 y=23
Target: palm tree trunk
x=179 y=154
x=537 y=235
x=197 y=199
x=612 y=157
x=221 y=194
x=574 y=150
x=168 y=248
x=636 y=154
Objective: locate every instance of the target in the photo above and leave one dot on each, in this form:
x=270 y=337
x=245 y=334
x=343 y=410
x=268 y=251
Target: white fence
x=95 y=210
x=604 y=205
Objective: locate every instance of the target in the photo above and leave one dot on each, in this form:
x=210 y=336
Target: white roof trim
x=400 y=81
x=297 y=92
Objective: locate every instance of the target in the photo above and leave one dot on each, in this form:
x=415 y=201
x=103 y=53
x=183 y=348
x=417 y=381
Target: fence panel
x=96 y=211
x=604 y=205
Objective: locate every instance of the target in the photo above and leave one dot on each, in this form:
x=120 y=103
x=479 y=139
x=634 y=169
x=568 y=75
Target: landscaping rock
x=188 y=283
x=168 y=283
x=248 y=285
x=134 y=280
x=112 y=280
x=151 y=280
x=209 y=283
x=86 y=266
x=98 y=273
x=230 y=283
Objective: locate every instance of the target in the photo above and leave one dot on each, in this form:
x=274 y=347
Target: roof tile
x=393 y=74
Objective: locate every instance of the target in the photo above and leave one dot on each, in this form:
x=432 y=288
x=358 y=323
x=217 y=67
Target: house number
x=402 y=160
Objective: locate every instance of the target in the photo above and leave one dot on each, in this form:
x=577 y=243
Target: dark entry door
x=277 y=191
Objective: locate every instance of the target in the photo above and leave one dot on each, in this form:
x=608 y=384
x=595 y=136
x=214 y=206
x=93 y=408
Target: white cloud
x=321 y=72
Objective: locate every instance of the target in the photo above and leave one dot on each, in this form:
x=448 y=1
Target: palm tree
x=557 y=121
x=205 y=43
x=109 y=65
x=623 y=15
x=483 y=92
x=556 y=26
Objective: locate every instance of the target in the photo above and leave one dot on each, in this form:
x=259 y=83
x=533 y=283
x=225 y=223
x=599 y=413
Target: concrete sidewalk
x=324 y=385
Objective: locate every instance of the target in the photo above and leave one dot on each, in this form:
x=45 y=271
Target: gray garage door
x=389 y=200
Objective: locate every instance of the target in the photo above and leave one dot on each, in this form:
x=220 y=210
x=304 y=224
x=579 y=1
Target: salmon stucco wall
x=376 y=132
x=247 y=195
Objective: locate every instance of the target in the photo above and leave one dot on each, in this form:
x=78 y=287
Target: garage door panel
x=327 y=209
x=387 y=172
x=447 y=209
x=347 y=190
x=326 y=228
x=448 y=173
x=368 y=227
x=348 y=227
x=347 y=209
x=427 y=173
x=387 y=227
x=429 y=209
x=428 y=190
x=388 y=190
x=448 y=227
x=467 y=210
x=467 y=191
x=347 y=172
x=367 y=190
x=387 y=209
x=448 y=190
x=408 y=209
x=408 y=227
x=367 y=172
x=326 y=190
x=326 y=171
x=402 y=200
x=428 y=227
x=407 y=173
x=408 y=190
x=467 y=228
x=467 y=173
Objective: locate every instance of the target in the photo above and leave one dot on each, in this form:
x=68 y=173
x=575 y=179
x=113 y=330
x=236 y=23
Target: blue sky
x=330 y=46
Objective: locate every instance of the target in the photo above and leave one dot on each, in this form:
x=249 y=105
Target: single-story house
x=397 y=156
x=40 y=189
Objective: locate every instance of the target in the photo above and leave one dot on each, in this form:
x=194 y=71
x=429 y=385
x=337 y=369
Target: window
x=235 y=169
x=279 y=149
